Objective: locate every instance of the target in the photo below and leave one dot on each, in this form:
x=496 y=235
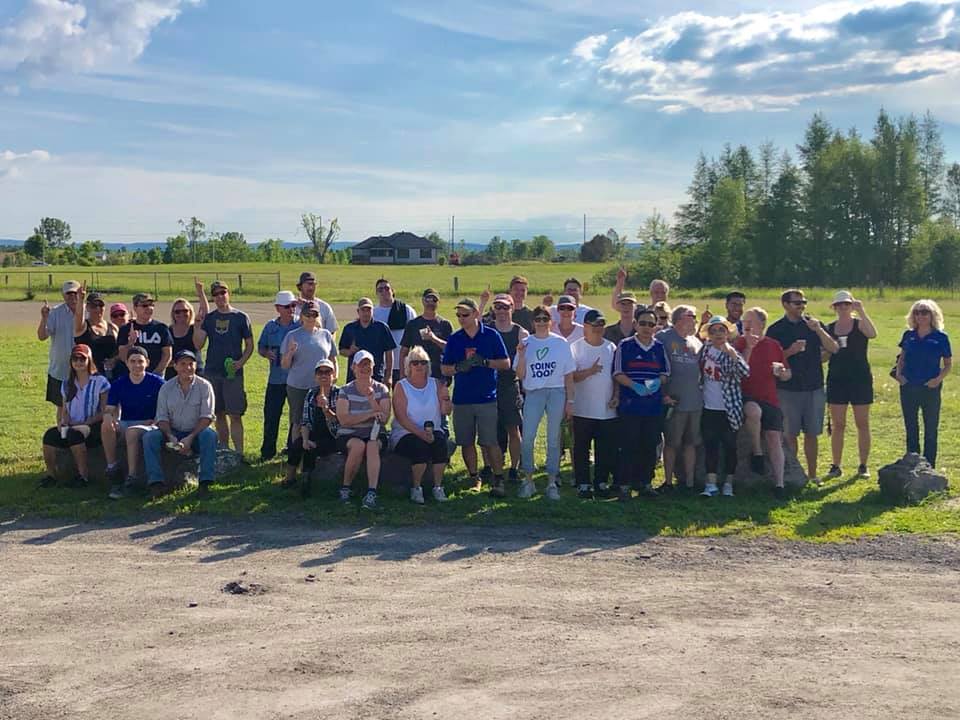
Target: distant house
x=401 y=248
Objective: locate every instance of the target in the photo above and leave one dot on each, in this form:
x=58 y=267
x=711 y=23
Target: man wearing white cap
x=58 y=325
x=269 y=347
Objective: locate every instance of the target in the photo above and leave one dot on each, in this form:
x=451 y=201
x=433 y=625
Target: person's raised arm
x=521 y=361
x=43 y=332
x=618 y=288
x=866 y=324
x=79 y=315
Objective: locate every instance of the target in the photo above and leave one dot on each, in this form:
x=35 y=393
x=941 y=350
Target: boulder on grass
x=910 y=479
x=744 y=479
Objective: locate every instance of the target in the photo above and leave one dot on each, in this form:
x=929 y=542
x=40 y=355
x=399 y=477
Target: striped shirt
x=86 y=403
x=314 y=416
x=359 y=405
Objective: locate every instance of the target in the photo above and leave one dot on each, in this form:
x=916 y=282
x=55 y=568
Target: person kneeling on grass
x=131 y=412
x=721 y=368
x=79 y=416
x=363 y=408
x=419 y=404
x=184 y=413
x=317 y=429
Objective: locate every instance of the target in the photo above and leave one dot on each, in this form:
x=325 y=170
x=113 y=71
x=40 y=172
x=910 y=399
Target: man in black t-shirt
x=143 y=331
x=371 y=335
x=429 y=331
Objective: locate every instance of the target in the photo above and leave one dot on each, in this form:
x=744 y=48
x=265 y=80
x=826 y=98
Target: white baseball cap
x=284 y=297
x=362 y=355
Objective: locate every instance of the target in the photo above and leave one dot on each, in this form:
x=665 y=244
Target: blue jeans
x=537 y=402
x=204 y=445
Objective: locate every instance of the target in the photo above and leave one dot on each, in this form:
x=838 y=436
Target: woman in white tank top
x=419 y=402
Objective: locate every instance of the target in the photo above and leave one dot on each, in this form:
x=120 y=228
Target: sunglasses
x=324 y=371
x=921 y=311
x=566 y=308
x=797 y=302
x=181 y=311
x=597 y=324
x=95 y=303
x=645 y=323
x=118 y=314
x=145 y=305
x=464 y=315
x=717 y=330
x=309 y=313
x=500 y=306
x=419 y=362
x=382 y=288
x=70 y=292
x=542 y=318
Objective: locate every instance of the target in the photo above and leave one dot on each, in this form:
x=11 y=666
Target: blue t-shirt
x=375 y=338
x=645 y=366
x=479 y=384
x=922 y=355
x=136 y=402
x=270 y=338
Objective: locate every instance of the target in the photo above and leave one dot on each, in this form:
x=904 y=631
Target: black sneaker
x=666 y=487
x=114 y=475
x=513 y=476
x=602 y=490
x=370 y=501
x=585 y=492
x=624 y=494
x=647 y=491
x=862 y=471
x=117 y=491
x=486 y=474
x=78 y=481
x=203 y=491
x=756 y=464
x=780 y=492
x=157 y=490
x=834 y=472
x=497 y=489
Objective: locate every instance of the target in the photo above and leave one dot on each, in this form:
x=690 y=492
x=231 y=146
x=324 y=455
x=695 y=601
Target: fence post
x=156 y=287
x=50 y=280
x=29 y=285
x=239 y=282
x=456 y=284
x=278 y=282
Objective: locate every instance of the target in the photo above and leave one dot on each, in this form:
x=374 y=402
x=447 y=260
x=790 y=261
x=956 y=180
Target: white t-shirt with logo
x=548 y=360
x=593 y=394
x=712 y=375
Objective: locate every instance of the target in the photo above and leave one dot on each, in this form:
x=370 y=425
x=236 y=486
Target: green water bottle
x=228 y=368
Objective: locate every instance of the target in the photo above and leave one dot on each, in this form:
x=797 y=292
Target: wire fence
x=165 y=285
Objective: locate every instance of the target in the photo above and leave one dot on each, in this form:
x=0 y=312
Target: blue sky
x=517 y=116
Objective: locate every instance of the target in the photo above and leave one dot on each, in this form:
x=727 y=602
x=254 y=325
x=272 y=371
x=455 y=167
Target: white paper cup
x=777 y=368
x=842 y=340
x=63 y=432
x=424 y=332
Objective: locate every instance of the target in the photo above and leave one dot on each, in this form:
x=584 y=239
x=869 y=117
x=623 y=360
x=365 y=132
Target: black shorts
x=508 y=405
x=850 y=393
x=418 y=452
x=342 y=441
x=771 y=417
x=53 y=391
x=53 y=438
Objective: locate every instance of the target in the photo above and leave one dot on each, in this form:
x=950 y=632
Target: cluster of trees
x=849 y=211
x=498 y=250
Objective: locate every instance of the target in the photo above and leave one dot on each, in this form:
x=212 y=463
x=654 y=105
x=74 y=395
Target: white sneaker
x=711 y=490
x=416 y=495
x=553 y=492
x=438 y=494
x=815 y=480
x=727 y=489
x=527 y=489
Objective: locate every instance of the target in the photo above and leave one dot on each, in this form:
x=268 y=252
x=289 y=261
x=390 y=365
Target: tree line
x=848 y=211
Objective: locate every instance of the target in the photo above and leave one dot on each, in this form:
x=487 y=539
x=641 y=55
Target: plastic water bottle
x=375 y=430
x=229 y=369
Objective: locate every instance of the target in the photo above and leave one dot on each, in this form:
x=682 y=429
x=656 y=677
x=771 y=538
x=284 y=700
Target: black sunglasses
x=464 y=315
x=542 y=318
x=921 y=311
x=797 y=302
x=181 y=311
x=419 y=362
x=118 y=314
x=645 y=323
x=219 y=293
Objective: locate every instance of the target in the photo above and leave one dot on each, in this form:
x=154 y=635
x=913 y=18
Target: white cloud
x=52 y=37
x=772 y=61
x=586 y=49
x=12 y=164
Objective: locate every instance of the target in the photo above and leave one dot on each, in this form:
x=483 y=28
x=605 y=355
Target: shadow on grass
x=844 y=513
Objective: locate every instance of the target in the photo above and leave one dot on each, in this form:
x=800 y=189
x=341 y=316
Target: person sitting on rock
x=184 y=413
x=131 y=412
x=79 y=416
x=317 y=429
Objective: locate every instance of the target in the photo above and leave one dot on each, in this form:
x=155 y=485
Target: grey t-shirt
x=226 y=332
x=684 y=383
x=60 y=330
x=312 y=347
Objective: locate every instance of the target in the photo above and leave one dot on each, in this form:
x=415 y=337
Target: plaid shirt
x=732 y=371
x=313 y=417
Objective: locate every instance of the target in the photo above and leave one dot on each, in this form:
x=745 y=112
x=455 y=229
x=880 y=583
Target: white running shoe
x=711 y=490
x=727 y=489
x=553 y=492
x=438 y=494
x=416 y=495
x=527 y=489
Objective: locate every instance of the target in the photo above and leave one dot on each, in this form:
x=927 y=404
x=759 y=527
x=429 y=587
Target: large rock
x=745 y=480
x=909 y=479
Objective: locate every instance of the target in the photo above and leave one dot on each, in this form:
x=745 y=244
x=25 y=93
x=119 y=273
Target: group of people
x=651 y=386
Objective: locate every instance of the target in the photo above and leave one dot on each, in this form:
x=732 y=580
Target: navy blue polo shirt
x=479 y=385
x=922 y=355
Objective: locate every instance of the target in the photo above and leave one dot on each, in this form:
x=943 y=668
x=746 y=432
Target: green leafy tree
x=497 y=249
x=194 y=231
x=321 y=238
x=542 y=248
x=952 y=194
x=599 y=248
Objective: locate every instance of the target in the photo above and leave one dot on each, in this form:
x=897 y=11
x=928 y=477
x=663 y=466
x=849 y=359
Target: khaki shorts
x=475 y=422
x=682 y=429
x=229 y=395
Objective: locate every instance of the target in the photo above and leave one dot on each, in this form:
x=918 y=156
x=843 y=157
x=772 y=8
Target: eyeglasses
x=464 y=315
x=219 y=293
x=145 y=305
x=797 y=302
x=291 y=306
x=381 y=288
x=542 y=318
x=324 y=371
x=921 y=311
x=95 y=303
x=500 y=306
x=645 y=323
x=181 y=311
x=419 y=362
x=309 y=313
x=597 y=324
x=566 y=308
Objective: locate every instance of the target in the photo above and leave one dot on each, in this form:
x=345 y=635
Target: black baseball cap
x=186 y=354
x=593 y=316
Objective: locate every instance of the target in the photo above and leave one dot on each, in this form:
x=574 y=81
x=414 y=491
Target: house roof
x=398 y=241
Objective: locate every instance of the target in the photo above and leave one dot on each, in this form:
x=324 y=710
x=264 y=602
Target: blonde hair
x=416 y=353
x=760 y=313
x=190 y=314
x=936 y=314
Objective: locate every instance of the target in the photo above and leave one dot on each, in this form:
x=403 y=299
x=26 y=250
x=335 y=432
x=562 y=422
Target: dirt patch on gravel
x=469 y=623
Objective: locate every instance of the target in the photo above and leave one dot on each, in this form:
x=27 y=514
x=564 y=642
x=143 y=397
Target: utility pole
x=453 y=231
x=584 y=228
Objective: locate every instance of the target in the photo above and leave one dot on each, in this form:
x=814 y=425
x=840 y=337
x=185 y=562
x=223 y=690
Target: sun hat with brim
x=364 y=302
x=566 y=300
x=720 y=320
x=327 y=363
x=81 y=349
x=284 y=297
x=842 y=296
x=362 y=355
x=69 y=286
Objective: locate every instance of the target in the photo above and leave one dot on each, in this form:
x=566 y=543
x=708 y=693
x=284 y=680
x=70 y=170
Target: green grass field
x=841 y=509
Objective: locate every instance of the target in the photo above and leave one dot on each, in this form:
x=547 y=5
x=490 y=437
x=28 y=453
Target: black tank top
x=184 y=342
x=102 y=346
x=849 y=364
x=511 y=339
